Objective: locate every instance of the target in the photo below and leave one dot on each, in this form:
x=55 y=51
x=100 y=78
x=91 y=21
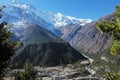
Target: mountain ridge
x=48 y=54
x=29 y=27
x=88 y=38
x=55 y=22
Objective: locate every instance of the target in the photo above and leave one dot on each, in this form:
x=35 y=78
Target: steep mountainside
x=91 y=42
x=88 y=39
x=33 y=34
x=43 y=48
x=48 y=54
x=19 y=13
x=61 y=21
x=55 y=22
x=40 y=45
x=69 y=33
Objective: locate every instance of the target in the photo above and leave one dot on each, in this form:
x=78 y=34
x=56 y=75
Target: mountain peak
x=23 y=6
x=60 y=20
x=48 y=20
x=59 y=14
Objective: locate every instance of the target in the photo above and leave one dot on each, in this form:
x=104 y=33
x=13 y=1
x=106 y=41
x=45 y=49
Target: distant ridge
x=48 y=54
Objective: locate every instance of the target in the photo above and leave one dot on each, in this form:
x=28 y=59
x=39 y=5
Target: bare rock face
x=70 y=33
x=90 y=40
x=87 y=38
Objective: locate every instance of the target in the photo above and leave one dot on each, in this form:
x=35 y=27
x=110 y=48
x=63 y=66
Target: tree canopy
x=7 y=47
x=112 y=27
x=29 y=72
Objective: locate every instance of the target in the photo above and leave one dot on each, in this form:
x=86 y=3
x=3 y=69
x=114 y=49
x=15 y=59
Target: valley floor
x=63 y=73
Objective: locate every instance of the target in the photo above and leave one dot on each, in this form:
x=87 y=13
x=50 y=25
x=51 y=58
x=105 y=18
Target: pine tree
x=7 y=47
x=112 y=27
x=29 y=72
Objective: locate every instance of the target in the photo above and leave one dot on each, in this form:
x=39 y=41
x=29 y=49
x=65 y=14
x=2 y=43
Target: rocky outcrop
x=90 y=40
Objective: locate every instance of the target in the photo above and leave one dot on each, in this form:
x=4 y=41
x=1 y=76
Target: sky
x=87 y=9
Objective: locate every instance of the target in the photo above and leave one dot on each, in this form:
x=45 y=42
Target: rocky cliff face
x=88 y=38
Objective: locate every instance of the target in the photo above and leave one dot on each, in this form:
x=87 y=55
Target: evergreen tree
x=112 y=76
x=112 y=27
x=7 y=47
x=29 y=72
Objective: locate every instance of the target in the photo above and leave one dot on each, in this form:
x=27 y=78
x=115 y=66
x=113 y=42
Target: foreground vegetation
x=112 y=27
x=7 y=47
x=28 y=73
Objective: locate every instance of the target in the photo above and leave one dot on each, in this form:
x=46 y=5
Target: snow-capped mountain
x=18 y=13
x=60 y=21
